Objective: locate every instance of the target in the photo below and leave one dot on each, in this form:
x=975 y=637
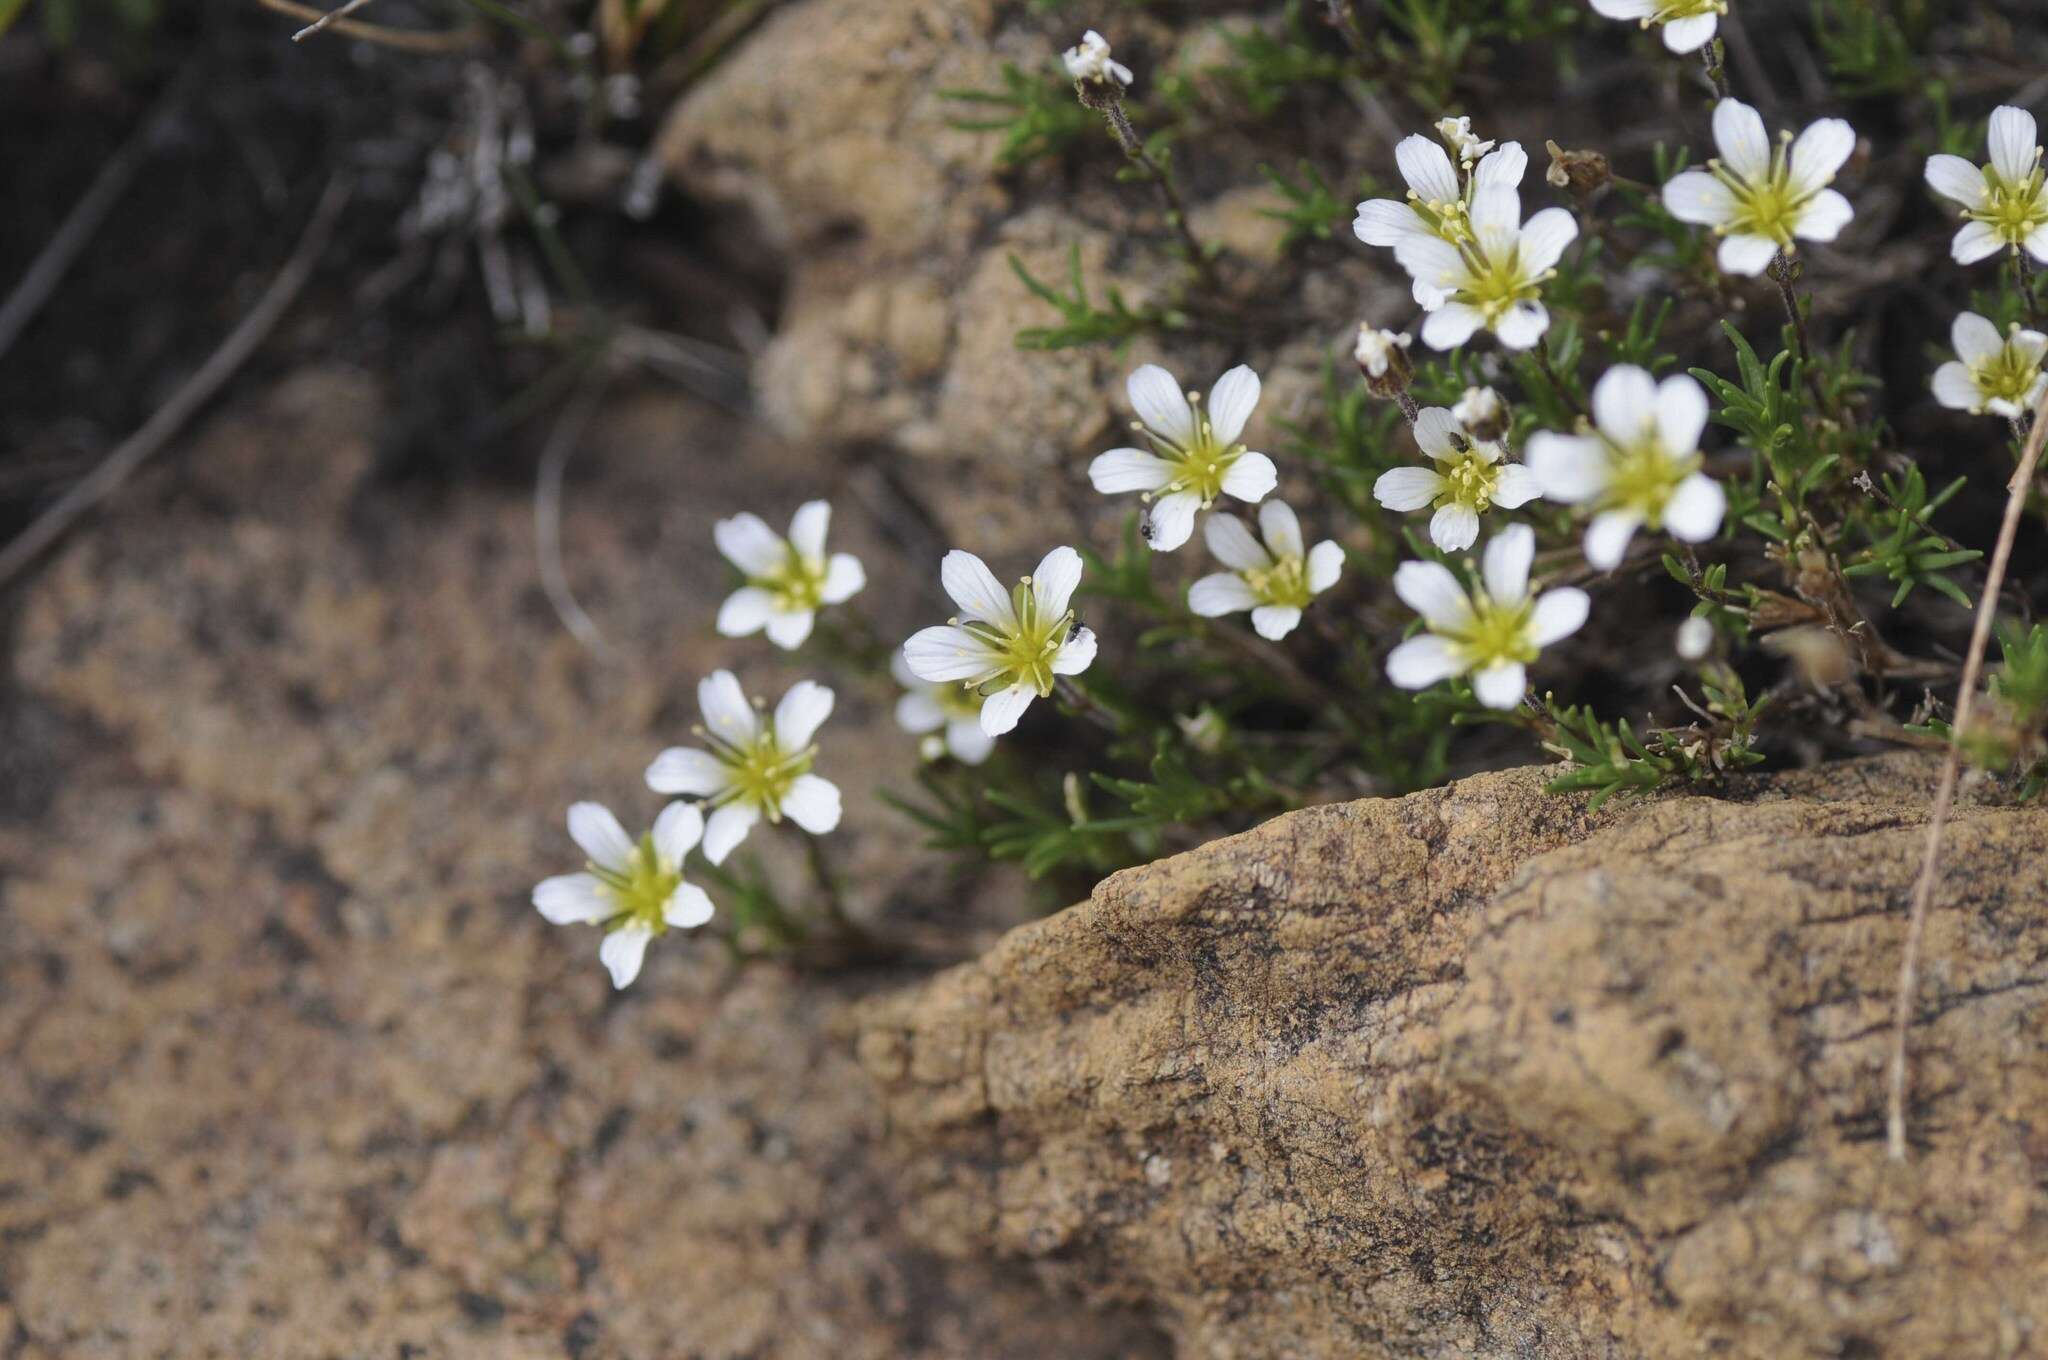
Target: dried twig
x=547 y=505
x=341 y=12
x=1951 y=770
x=196 y=391
x=405 y=40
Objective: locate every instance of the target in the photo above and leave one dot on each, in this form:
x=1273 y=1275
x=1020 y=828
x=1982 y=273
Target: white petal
x=1076 y=654
x=1608 y=535
x=1626 y=9
x=1745 y=146
x=808 y=526
x=1975 y=339
x=1558 y=614
x=1571 y=468
x=725 y=709
x=1505 y=565
x=1823 y=219
x=1693 y=514
x=749 y=544
x=968 y=743
x=1495 y=216
x=812 y=803
x=946 y=653
x=1430 y=590
x=1523 y=324
x=844 y=577
x=802 y=711
x=1281 y=528
x=919 y=712
x=1232 y=544
x=1625 y=404
x=1250 y=478
x=677 y=831
x=1054 y=583
x=1544 y=238
x=573 y=899
x=688 y=907
x=1001 y=711
x=1431 y=260
x=1819 y=154
x=1231 y=403
x=2037 y=242
x=1451 y=325
x=1953 y=177
x=2013 y=143
x=601 y=838
x=1275 y=621
x=1503 y=167
x=1681 y=413
x=1421 y=661
x=2029 y=345
x=745 y=611
x=686 y=771
x=1697 y=197
x=726 y=828
x=1454 y=527
x=1157 y=397
x=1515 y=486
x=1976 y=241
x=1407 y=488
x=1427 y=296
x=1223 y=593
x=1427 y=168
x=1438 y=433
x=1325 y=565
x=1501 y=685
x=790 y=629
x=1383 y=222
x=1122 y=470
x=975 y=589
x=1747 y=256
x=1691 y=33
x=622 y=952
x=1171 y=520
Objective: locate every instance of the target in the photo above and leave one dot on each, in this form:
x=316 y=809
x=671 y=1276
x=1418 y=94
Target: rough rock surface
x=1472 y=1073
x=288 y=1065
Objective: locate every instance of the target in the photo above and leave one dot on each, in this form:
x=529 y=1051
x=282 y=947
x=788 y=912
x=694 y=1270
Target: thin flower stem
x=1076 y=697
x=1951 y=770
x=1781 y=274
x=1408 y=407
x=1133 y=145
x=829 y=891
x=1542 y=353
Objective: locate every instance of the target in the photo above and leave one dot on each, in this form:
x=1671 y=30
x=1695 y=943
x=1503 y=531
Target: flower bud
x=1695 y=639
x=1457 y=135
x=1383 y=359
x=1579 y=171
x=1483 y=413
x=1097 y=79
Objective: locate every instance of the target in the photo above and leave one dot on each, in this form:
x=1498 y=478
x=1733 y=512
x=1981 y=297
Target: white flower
x=635 y=890
x=1494 y=277
x=1457 y=135
x=1688 y=24
x=754 y=768
x=2006 y=201
x=787 y=578
x=926 y=707
x=1376 y=349
x=1439 y=200
x=1469 y=479
x=1491 y=634
x=1992 y=373
x=1090 y=62
x=1758 y=198
x=1008 y=646
x=1695 y=639
x=1198 y=458
x=1639 y=465
x=1275 y=581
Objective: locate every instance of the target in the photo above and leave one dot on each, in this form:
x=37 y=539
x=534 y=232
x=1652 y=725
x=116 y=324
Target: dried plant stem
x=547 y=506
x=341 y=12
x=1133 y=145
x=1951 y=771
x=1408 y=406
x=1782 y=275
x=405 y=40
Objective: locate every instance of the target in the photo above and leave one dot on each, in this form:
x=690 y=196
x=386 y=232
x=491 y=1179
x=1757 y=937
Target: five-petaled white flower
x=1275 y=580
x=1493 y=279
x=1494 y=632
x=787 y=578
x=926 y=707
x=1688 y=24
x=754 y=768
x=1009 y=646
x=1468 y=480
x=1439 y=203
x=1199 y=456
x=635 y=890
x=1998 y=374
x=1639 y=464
x=1757 y=197
x=2006 y=201
x=1089 y=61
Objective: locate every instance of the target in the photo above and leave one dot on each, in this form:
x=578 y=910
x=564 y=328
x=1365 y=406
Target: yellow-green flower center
x=1644 y=475
x=1452 y=220
x=2009 y=375
x=642 y=889
x=1770 y=207
x=797 y=584
x=1284 y=583
x=1025 y=655
x=759 y=773
x=1469 y=480
x=1493 y=633
x=1200 y=465
x=1496 y=283
x=1688 y=9
x=2013 y=209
